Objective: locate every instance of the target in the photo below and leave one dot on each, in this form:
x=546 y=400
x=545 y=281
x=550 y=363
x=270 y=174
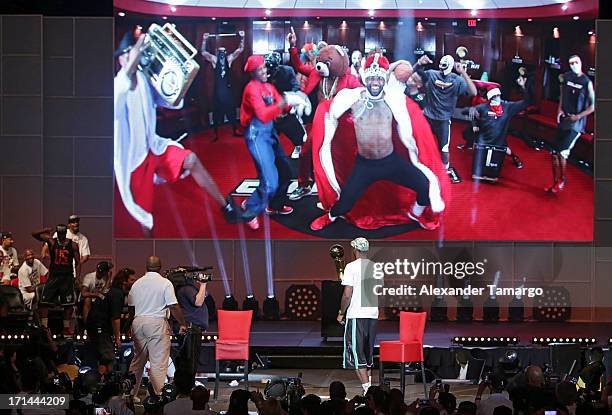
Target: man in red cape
x=378 y=164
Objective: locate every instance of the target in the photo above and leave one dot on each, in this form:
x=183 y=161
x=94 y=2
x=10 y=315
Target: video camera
x=184 y=275
x=289 y=391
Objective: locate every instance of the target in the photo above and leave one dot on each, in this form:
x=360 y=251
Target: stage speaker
x=562 y=357
x=331 y=291
x=465 y=310
x=439 y=310
x=516 y=310
x=490 y=310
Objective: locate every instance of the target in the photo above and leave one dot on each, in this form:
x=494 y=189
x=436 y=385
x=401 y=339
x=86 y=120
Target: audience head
x=502 y=410
x=534 y=376
x=310 y=404
x=337 y=390
x=467 y=408
x=448 y=401
x=153 y=264
x=184 y=381
x=200 y=397
x=566 y=393
x=239 y=402
x=596 y=354
x=376 y=397
x=121 y=279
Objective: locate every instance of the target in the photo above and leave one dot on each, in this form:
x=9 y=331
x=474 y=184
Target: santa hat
x=254 y=62
x=376 y=65
x=493 y=92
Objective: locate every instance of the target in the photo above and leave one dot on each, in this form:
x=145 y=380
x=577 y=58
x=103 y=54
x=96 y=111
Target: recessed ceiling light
x=213 y=18
x=576 y=17
x=121 y=14
x=172 y=9
x=474 y=12
x=530 y=20
x=564 y=7
x=371 y=12
x=268 y=12
x=165 y=17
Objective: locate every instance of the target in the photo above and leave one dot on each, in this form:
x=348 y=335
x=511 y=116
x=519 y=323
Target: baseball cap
x=73 y=218
x=104 y=266
x=360 y=244
x=6 y=235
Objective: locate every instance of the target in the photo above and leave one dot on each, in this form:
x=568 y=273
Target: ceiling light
x=530 y=20
x=164 y=17
x=268 y=12
x=121 y=14
x=576 y=17
x=172 y=9
x=474 y=12
x=213 y=18
x=564 y=7
x=371 y=12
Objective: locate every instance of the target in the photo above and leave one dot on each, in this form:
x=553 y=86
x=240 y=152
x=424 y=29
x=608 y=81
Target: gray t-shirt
x=441 y=93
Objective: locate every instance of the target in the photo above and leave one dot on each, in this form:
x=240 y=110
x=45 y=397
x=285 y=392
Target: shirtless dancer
x=376 y=159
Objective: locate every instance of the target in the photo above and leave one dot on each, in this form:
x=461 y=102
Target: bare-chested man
x=376 y=159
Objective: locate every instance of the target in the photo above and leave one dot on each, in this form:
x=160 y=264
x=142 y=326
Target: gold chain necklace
x=332 y=92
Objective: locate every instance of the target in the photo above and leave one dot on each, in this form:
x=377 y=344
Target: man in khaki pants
x=149 y=300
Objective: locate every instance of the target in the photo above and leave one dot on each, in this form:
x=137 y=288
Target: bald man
x=149 y=300
x=532 y=394
x=29 y=277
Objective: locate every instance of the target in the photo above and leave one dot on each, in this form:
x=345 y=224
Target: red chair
x=409 y=348
x=233 y=342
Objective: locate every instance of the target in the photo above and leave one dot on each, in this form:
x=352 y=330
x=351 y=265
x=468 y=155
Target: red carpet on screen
x=514 y=208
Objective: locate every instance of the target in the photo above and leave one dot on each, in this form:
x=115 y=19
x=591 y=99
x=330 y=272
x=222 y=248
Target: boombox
x=168 y=62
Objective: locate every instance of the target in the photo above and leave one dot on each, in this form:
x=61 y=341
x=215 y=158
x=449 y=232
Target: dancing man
x=261 y=105
x=141 y=156
x=576 y=103
x=442 y=88
x=224 y=104
x=493 y=118
x=359 y=313
x=374 y=110
x=357 y=64
x=283 y=77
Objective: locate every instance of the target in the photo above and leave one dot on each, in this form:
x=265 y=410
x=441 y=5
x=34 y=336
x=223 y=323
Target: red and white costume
x=335 y=149
x=140 y=154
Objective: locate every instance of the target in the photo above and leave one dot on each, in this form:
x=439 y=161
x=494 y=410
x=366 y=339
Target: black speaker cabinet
x=331 y=293
x=562 y=357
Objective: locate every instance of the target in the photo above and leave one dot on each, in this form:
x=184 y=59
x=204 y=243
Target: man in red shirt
x=261 y=104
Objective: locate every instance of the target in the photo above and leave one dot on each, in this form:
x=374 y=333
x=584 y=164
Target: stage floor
x=267 y=334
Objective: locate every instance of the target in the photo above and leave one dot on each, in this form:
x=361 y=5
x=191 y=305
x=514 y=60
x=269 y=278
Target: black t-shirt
x=104 y=311
x=493 y=128
x=441 y=93
x=186 y=295
x=575 y=99
x=61 y=257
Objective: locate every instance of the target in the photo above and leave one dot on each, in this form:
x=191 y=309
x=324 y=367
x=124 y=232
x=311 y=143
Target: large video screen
x=307 y=128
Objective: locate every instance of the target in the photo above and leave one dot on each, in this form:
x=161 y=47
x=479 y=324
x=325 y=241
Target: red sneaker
x=428 y=220
x=253 y=223
x=285 y=210
x=559 y=186
x=321 y=222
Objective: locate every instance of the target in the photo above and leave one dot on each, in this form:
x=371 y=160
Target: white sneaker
x=296 y=152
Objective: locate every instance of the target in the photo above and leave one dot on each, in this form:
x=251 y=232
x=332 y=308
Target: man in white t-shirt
x=95 y=285
x=148 y=302
x=9 y=263
x=359 y=312
x=29 y=277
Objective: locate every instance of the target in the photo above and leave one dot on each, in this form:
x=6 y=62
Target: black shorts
x=59 y=290
x=359 y=336
x=292 y=128
x=565 y=141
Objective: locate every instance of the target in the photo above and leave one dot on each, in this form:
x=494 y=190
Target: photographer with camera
x=496 y=384
x=149 y=301
x=104 y=315
x=190 y=288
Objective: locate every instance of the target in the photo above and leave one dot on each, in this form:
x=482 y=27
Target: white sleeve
x=348 y=277
x=84 y=247
x=42 y=270
x=169 y=296
x=15 y=258
x=130 y=299
x=24 y=278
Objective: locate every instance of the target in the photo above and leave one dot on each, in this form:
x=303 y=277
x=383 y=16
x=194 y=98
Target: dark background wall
x=56 y=159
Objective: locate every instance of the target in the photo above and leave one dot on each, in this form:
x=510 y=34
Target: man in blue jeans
x=261 y=104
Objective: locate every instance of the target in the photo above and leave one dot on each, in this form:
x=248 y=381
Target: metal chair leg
x=246 y=374
x=424 y=380
x=381 y=373
x=216 y=380
x=403 y=378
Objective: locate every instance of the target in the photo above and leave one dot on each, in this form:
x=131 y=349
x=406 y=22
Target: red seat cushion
x=588 y=137
x=543 y=119
x=397 y=351
x=231 y=350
